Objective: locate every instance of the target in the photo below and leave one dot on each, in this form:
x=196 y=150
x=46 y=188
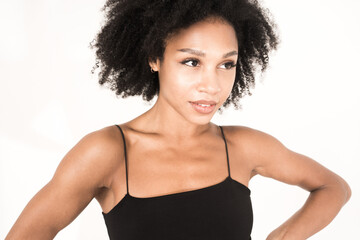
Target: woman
x=170 y=173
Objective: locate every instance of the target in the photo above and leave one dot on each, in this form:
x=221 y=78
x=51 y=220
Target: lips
x=204 y=102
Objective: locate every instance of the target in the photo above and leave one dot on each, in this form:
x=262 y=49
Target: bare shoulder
x=96 y=155
x=268 y=157
x=254 y=141
x=251 y=145
x=82 y=173
x=243 y=131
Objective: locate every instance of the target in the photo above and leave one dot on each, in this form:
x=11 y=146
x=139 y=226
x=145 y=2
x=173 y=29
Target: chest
x=162 y=168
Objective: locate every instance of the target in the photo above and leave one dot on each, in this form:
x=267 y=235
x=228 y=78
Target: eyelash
x=196 y=60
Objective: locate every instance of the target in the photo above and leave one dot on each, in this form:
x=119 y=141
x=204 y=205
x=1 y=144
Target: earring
x=152 y=70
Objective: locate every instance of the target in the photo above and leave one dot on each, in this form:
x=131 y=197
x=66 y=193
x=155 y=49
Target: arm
x=80 y=176
x=328 y=191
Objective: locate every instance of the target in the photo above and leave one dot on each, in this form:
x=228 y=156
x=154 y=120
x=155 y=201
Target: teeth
x=203 y=105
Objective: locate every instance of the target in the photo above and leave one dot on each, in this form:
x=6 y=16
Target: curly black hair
x=137 y=30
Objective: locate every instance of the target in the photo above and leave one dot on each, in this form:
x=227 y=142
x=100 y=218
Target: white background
x=308 y=99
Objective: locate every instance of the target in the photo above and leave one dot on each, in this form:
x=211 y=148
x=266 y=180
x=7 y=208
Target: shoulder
x=95 y=155
x=102 y=139
x=102 y=143
x=249 y=137
x=254 y=146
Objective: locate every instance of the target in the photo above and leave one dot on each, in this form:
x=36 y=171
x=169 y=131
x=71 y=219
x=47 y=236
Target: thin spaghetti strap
x=123 y=137
x=227 y=154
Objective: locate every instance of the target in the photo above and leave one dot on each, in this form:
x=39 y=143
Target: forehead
x=208 y=34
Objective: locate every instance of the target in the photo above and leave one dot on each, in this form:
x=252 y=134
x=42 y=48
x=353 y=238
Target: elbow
x=339 y=188
x=347 y=190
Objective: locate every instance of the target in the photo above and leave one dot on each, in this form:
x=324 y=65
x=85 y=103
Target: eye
x=193 y=62
x=229 y=65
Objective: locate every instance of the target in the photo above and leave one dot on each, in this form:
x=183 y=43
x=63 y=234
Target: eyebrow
x=202 y=54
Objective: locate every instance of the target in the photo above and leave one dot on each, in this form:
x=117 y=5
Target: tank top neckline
x=193 y=191
x=228 y=179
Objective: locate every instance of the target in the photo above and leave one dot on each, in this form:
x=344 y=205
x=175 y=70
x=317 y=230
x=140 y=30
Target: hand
x=282 y=234
x=277 y=234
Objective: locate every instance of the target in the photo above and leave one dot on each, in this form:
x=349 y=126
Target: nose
x=209 y=82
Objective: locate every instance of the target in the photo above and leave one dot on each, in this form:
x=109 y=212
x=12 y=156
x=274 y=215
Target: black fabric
x=222 y=211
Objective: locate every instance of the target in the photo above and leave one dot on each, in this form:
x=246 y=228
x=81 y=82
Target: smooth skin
x=181 y=144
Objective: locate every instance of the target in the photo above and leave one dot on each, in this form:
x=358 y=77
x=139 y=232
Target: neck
x=162 y=119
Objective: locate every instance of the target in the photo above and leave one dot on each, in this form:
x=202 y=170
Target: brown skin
x=175 y=141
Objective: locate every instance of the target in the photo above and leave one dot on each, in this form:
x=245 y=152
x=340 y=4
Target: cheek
x=176 y=82
x=227 y=83
x=177 y=78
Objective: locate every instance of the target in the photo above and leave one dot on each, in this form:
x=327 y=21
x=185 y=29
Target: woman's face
x=198 y=66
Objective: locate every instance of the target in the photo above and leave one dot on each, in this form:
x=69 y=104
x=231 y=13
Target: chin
x=201 y=120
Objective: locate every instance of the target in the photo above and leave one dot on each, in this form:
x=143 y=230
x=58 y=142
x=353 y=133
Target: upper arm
x=83 y=171
x=272 y=159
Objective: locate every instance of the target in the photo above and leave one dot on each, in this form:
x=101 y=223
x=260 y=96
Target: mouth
x=204 y=103
x=204 y=107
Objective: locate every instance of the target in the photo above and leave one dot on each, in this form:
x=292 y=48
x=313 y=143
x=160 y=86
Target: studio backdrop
x=49 y=99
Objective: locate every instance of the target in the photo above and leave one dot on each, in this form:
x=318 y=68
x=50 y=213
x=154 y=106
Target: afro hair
x=135 y=31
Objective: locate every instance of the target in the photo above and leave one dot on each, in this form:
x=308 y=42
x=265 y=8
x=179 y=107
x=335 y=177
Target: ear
x=155 y=65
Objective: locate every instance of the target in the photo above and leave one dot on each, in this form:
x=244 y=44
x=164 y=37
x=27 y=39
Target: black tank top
x=222 y=211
